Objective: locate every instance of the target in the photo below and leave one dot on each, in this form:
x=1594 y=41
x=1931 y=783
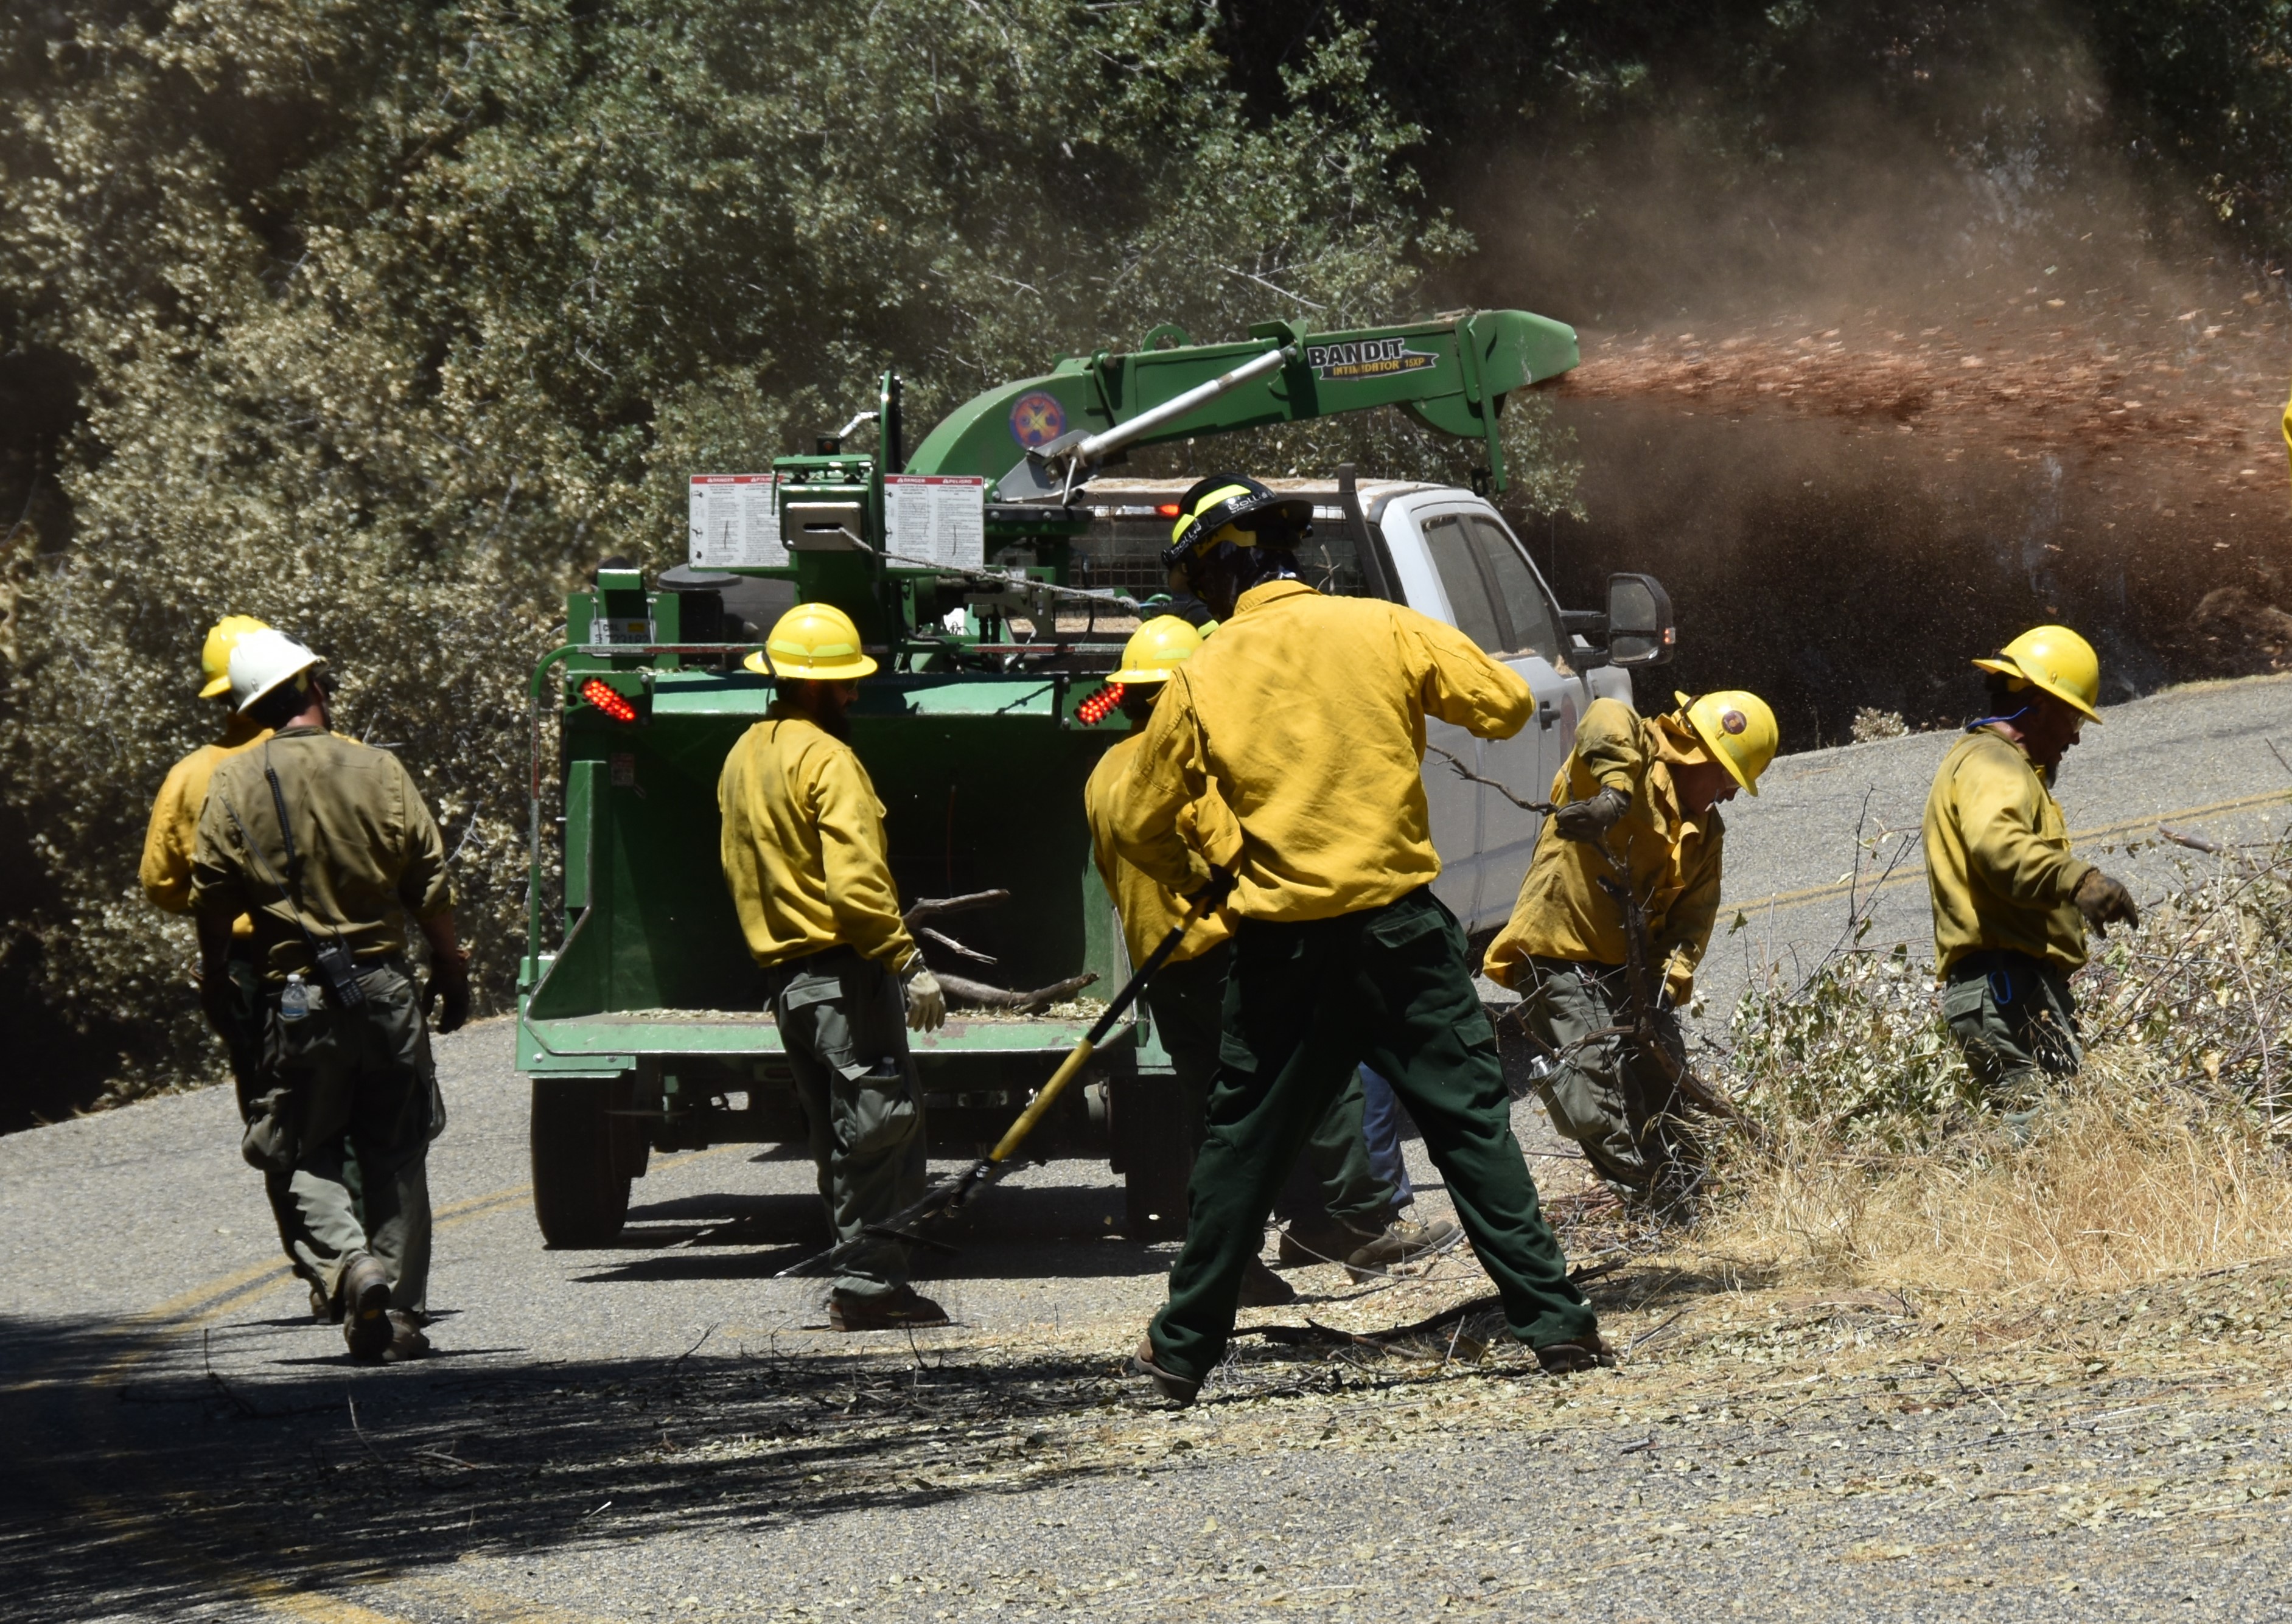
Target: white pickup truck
x=1448 y=554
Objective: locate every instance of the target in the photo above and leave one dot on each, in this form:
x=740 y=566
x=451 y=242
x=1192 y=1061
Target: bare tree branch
x=1470 y=777
x=1004 y=998
x=931 y=907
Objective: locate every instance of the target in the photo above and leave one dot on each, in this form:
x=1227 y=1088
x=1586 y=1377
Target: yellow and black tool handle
x=950 y=1194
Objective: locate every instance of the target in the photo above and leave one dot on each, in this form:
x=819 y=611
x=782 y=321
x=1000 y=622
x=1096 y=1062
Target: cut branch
x=931 y=907
x=969 y=991
x=2194 y=842
x=1639 y=979
x=1470 y=777
x=954 y=946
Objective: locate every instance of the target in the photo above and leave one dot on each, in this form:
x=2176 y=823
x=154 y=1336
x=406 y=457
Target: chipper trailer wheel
x=580 y=1186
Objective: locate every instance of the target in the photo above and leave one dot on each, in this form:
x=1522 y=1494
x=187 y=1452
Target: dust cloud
x=1942 y=364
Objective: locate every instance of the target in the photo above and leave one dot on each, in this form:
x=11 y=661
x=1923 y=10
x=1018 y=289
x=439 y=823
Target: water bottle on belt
x=295 y=1002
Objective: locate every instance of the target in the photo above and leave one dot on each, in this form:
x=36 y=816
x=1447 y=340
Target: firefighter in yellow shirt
x=1338 y=1195
x=326 y=844
x=2011 y=906
x=173 y=836
x=1306 y=715
x=804 y=856
x=1638 y=798
x=168 y=845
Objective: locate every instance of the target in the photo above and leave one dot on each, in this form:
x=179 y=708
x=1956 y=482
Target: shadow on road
x=145 y=1480
x=1005 y=1234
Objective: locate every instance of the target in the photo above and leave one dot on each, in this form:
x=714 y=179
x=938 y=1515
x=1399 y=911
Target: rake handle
x=1197 y=905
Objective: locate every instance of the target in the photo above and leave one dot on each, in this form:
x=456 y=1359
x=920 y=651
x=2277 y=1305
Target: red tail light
x=600 y=693
x=1169 y=509
x=1094 y=710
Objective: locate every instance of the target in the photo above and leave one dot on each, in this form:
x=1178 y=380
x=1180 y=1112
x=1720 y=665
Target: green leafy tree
x=383 y=322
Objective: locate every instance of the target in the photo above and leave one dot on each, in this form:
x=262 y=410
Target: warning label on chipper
x=1371 y=358
x=734 y=523
x=936 y=518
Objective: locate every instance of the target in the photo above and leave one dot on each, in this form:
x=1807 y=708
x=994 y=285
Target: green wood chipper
x=967 y=565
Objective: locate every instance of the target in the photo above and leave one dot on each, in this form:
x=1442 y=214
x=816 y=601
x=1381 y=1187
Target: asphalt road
x=1832 y=837
x=662 y=1430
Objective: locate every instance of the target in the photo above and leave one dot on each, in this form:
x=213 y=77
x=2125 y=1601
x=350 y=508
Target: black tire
x=580 y=1189
x=1152 y=1150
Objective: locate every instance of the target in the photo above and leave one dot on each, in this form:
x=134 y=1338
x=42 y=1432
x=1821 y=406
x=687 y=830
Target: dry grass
x=2118 y=1183
x=1872 y=1162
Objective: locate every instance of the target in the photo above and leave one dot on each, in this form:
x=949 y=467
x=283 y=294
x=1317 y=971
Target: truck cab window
x=1460 y=577
x=1122 y=551
x=1535 y=629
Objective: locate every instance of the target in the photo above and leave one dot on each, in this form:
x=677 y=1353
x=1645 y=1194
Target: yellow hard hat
x=1161 y=643
x=2057 y=660
x=214 y=659
x=813 y=642
x=1739 y=729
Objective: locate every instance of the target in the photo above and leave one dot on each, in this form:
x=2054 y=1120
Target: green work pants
x=357 y=1082
x=2015 y=1018
x=243 y=1041
x=1604 y=1091
x=1334 y=1175
x=844 y=1023
x=1307 y=1003
x=1187 y=1000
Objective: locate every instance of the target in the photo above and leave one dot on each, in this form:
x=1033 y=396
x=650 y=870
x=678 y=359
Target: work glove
x=2105 y=902
x=449 y=976
x=926 y=1001
x=1590 y=820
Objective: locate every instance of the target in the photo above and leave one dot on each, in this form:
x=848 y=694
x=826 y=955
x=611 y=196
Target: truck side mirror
x=1639 y=632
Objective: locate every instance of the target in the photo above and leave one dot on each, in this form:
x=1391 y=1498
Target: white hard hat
x=262 y=660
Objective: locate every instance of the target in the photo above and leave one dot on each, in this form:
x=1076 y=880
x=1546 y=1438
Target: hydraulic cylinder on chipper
x=1450 y=375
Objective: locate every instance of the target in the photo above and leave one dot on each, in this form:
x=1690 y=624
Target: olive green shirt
x=370 y=853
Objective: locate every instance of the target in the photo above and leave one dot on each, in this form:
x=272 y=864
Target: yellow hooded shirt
x=1998 y=867
x=803 y=848
x=173 y=838
x=1305 y=716
x=1147 y=910
x=1673 y=860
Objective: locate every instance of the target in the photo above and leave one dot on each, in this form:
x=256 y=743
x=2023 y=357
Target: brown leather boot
x=1567 y=1358
x=406 y=1339
x=365 y=1297
x=1305 y=1243
x=1178 y=1389
x=903 y=1308
x=1261 y=1288
x=1404 y=1240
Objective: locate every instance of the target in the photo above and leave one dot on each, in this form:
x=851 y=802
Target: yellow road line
x=200 y=1305
x=1915 y=872
x=206 y=1302
x=257 y=1276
